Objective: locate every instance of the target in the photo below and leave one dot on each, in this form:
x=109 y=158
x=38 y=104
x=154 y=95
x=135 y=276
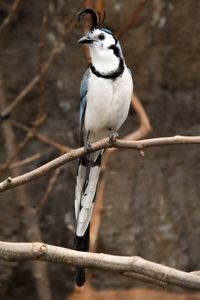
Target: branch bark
x=10 y=182
x=119 y=264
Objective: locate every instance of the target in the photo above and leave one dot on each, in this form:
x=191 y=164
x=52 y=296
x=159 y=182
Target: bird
x=105 y=96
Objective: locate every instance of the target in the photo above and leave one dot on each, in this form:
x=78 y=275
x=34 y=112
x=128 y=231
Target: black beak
x=85 y=40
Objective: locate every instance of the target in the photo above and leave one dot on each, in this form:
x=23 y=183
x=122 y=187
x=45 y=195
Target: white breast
x=108 y=104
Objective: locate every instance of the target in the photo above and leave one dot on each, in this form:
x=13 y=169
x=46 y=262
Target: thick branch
x=10 y=183
x=111 y=263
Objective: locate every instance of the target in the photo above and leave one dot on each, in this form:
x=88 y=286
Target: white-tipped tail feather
x=86 y=186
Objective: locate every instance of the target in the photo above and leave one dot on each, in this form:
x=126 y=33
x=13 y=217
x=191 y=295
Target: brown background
x=152 y=205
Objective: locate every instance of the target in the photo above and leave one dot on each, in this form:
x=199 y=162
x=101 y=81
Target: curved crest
x=96 y=21
x=101 y=21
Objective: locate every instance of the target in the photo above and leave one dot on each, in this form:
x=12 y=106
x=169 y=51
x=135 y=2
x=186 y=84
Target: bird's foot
x=88 y=147
x=113 y=135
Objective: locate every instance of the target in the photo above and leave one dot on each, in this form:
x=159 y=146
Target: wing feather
x=83 y=103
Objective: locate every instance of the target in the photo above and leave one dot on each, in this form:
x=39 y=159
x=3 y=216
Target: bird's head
x=99 y=39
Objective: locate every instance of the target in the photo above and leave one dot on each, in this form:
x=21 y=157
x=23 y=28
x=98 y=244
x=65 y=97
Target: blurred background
x=151 y=205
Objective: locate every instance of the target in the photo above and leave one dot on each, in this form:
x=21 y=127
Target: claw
x=88 y=146
x=113 y=135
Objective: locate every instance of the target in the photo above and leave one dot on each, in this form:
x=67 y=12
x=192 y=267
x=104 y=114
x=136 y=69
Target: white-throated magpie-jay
x=106 y=91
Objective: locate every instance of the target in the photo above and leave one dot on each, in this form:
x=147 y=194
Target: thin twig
x=50 y=187
x=21 y=145
x=41 y=137
x=12 y=156
x=31 y=84
x=25 y=161
x=111 y=263
x=10 y=15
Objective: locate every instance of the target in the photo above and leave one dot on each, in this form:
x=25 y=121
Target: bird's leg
x=88 y=146
x=113 y=135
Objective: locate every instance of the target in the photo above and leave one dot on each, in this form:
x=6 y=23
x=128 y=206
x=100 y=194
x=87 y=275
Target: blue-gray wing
x=83 y=102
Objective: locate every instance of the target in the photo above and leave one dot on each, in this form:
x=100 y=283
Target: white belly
x=108 y=104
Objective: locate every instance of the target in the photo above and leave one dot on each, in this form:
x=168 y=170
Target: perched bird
x=106 y=91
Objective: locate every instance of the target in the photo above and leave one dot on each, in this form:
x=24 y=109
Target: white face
x=99 y=39
x=105 y=50
x=102 y=39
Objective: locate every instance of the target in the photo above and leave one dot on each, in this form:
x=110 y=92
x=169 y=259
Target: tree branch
x=10 y=15
x=111 y=263
x=10 y=182
x=41 y=137
x=7 y=110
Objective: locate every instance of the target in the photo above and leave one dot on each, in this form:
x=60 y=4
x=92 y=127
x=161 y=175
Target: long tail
x=86 y=186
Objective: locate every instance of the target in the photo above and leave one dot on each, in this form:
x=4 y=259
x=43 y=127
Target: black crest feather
x=96 y=21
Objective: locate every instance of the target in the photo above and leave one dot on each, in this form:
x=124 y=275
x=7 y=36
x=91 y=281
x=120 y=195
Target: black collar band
x=111 y=75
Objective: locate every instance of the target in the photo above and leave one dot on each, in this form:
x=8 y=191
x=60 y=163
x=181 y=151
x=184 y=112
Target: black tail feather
x=80 y=276
x=81 y=244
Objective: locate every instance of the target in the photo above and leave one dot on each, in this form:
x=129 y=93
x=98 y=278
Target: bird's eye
x=101 y=36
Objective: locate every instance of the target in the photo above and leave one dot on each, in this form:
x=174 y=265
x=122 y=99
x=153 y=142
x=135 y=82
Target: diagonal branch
x=41 y=137
x=10 y=15
x=10 y=183
x=31 y=84
x=111 y=263
x=49 y=189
